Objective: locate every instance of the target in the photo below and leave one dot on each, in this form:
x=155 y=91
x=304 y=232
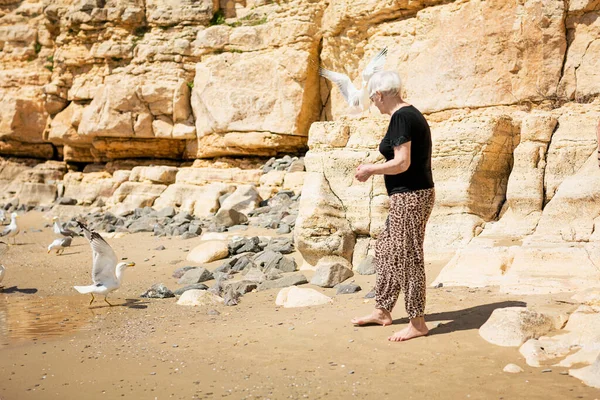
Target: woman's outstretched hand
x=363 y=172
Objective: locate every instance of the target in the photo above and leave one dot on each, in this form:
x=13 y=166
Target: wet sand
x=54 y=346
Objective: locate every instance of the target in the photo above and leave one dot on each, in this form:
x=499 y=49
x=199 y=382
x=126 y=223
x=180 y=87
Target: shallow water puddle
x=26 y=318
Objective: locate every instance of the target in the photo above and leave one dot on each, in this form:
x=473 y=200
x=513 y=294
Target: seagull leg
x=107 y=301
x=91 y=301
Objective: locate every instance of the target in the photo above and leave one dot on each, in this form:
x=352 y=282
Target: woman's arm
x=396 y=165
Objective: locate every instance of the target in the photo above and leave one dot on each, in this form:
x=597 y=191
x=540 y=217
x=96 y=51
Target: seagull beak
x=48 y=252
x=131 y=264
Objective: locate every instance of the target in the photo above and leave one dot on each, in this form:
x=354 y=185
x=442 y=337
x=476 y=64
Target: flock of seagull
x=107 y=273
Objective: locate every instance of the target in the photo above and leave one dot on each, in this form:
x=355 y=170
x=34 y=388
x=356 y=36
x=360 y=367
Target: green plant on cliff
x=251 y=19
x=190 y=85
x=49 y=67
x=37 y=47
x=218 y=18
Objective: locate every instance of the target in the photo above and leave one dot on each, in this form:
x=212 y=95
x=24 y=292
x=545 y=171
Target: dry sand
x=54 y=346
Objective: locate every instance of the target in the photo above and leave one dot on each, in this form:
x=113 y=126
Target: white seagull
x=60 y=230
x=60 y=245
x=2 y=216
x=106 y=273
x=12 y=229
x=3 y=247
x=357 y=99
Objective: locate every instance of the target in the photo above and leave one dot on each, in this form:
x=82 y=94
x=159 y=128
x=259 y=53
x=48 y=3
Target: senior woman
x=399 y=261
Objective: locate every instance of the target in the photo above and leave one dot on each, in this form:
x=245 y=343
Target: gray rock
x=166 y=212
x=244 y=245
x=348 y=289
x=243 y=262
x=242 y=287
x=195 y=227
x=330 y=271
x=230 y=296
x=254 y=275
x=281 y=245
x=66 y=201
x=296 y=166
x=267 y=259
x=179 y=272
x=161 y=247
x=158 y=291
x=195 y=275
x=286 y=281
x=370 y=295
x=215 y=227
x=223 y=276
x=230 y=217
x=188 y=235
x=287 y=264
x=273 y=274
x=281 y=199
x=366 y=266
x=142 y=225
x=200 y=286
x=259 y=210
x=183 y=216
x=283 y=229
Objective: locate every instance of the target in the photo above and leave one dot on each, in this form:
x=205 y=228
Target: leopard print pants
x=399 y=260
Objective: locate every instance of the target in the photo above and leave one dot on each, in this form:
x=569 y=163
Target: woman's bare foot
x=378 y=316
x=416 y=327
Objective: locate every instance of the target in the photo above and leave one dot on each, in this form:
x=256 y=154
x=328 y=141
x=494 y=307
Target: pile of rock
x=165 y=222
x=286 y=163
x=261 y=263
x=279 y=212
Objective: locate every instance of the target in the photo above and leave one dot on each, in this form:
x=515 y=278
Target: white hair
x=385 y=82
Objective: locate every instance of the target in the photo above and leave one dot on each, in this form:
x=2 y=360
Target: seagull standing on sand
x=12 y=229
x=60 y=245
x=357 y=99
x=3 y=247
x=60 y=230
x=106 y=273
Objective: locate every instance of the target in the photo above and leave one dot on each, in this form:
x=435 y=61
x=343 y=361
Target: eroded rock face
x=321 y=227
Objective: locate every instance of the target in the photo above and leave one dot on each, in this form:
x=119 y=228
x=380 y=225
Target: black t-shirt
x=408 y=125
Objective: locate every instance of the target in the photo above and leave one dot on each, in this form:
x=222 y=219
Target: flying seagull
x=107 y=275
x=356 y=98
x=12 y=229
x=60 y=245
x=60 y=230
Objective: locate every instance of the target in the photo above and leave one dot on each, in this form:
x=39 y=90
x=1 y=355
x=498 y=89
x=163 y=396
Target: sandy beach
x=55 y=346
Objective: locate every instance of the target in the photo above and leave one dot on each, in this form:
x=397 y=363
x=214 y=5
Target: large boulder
x=208 y=252
x=321 y=227
x=513 y=326
x=331 y=270
x=293 y=297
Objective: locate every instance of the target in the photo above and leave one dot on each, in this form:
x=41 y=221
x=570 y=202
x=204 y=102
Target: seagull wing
x=349 y=91
x=103 y=257
x=376 y=64
x=8 y=229
x=65 y=242
x=67 y=232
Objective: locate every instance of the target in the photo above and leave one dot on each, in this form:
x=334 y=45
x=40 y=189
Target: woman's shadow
x=463 y=320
